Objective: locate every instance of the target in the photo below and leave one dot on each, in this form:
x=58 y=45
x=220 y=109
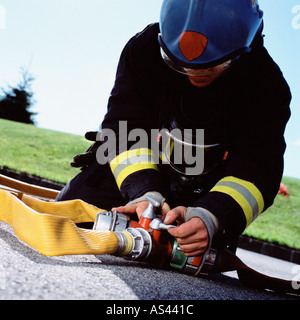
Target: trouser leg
x=95 y=185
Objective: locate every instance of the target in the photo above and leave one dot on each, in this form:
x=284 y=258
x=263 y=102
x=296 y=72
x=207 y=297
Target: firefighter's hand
x=139 y=207
x=192 y=236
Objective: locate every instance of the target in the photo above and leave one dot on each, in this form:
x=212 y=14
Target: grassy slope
x=47 y=154
x=41 y=152
x=281 y=222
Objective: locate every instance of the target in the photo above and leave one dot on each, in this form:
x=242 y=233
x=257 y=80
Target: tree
x=16 y=101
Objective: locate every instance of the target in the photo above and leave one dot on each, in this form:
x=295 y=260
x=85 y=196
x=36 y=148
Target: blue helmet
x=200 y=34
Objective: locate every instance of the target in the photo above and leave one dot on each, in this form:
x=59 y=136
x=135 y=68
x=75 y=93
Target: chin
x=200 y=84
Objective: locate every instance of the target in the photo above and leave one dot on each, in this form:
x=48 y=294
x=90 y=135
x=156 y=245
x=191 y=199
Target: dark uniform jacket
x=247 y=109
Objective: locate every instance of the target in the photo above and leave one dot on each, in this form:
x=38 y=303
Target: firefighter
x=203 y=67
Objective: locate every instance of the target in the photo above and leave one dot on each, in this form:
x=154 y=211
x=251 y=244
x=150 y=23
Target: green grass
x=48 y=153
x=281 y=222
x=40 y=152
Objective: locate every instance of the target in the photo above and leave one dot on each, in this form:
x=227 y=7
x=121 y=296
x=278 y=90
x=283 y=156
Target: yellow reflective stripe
x=170 y=147
x=131 y=161
x=245 y=194
x=127 y=155
x=252 y=189
x=239 y=199
x=166 y=154
x=134 y=168
x=162 y=157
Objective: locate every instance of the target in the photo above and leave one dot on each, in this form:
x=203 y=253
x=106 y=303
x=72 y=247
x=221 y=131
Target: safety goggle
x=184 y=156
x=195 y=72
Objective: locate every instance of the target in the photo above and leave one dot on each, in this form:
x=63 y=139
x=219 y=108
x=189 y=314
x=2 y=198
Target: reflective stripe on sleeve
x=130 y=162
x=245 y=194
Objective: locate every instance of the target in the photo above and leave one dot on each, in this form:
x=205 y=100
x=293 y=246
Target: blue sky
x=72 y=48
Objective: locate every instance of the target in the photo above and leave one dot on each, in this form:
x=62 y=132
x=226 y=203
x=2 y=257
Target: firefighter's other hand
x=192 y=236
x=139 y=208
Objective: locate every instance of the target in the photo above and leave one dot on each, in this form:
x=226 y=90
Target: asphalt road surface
x=25 y=274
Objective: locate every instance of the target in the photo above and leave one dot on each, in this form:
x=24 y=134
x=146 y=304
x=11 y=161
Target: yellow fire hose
x=50 y=227
x=28 y=188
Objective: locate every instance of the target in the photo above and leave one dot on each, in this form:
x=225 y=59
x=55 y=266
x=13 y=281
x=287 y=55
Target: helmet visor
x=195 y=72
x=186 y=155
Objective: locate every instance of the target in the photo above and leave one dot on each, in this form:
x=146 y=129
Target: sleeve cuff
x=153 y=194
x=212 y=223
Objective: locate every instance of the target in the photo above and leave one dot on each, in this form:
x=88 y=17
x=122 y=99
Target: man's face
x=204 y=77
x=198 y=77
x=203 y=81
